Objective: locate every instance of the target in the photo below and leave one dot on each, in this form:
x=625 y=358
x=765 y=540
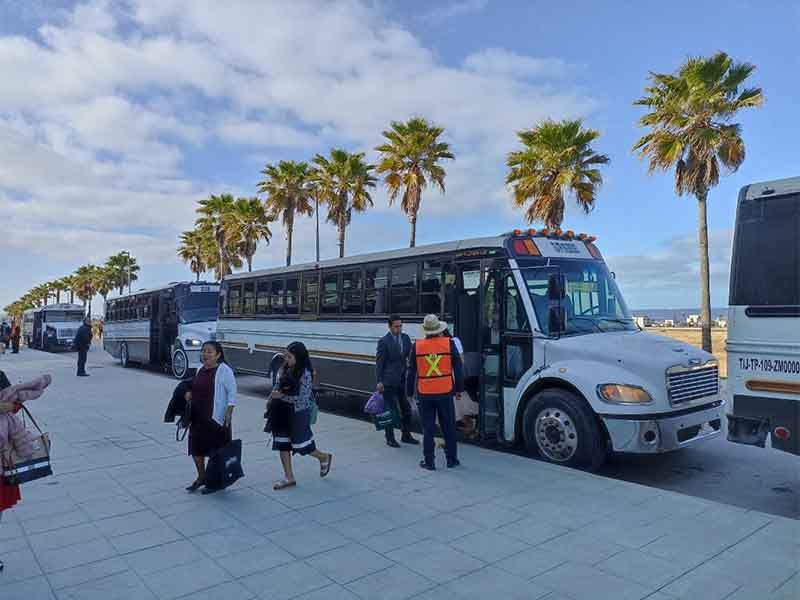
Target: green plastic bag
x=388 y=419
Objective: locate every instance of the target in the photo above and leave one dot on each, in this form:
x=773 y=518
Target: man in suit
x=390 y=371
x=83 y=341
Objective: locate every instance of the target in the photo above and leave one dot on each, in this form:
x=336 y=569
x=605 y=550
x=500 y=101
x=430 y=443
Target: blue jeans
x=429 y=408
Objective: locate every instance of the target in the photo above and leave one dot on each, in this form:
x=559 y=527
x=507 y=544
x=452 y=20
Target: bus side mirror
x=554 y=291
x=554 y=321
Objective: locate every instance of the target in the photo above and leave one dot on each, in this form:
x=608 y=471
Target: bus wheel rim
x=556 y=435
x=179 y=364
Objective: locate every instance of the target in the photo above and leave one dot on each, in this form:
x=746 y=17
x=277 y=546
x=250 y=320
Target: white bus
x=163 y=327
x=552 y=354
x=764 y=317
x=52 y=327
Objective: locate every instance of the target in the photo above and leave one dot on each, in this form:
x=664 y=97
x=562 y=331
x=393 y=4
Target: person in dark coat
x=436 y=374
x=83 y=341
x=15 y=335
x=391 y=362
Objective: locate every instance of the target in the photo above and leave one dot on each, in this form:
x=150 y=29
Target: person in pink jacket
x=12 y=432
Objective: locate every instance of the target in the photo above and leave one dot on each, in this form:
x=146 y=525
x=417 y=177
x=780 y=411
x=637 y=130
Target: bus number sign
x=203 y=288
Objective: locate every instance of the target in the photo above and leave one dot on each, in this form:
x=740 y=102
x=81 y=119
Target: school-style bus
x=163 y=327
x=52 y=327
x=764 y=317
x=552 y=354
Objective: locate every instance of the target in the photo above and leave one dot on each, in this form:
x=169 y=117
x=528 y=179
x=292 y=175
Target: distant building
x=693 y=321
x=721 y=322
x=643 y=321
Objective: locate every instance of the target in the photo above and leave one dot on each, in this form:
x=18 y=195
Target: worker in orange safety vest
x=435 y=375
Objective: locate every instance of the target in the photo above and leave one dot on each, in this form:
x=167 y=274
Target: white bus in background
x=552 y=354
x=163 y=327
x=52 y=327
x=764 y=317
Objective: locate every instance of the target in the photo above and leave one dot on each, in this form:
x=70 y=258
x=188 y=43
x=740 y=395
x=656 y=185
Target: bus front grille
x=685 y=385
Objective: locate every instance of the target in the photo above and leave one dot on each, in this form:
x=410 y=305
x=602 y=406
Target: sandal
x=283 y=484
x=325 y=467
x=196 y=485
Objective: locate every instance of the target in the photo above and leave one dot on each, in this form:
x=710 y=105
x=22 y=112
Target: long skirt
x=293 y=433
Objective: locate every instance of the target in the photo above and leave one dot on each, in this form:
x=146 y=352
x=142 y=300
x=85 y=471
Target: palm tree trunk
x=705 y=286
x=249 y=263
x=341 y=236
x=316 y=211
x=289 y=232
x=413 y=220
x=71 y=297
x=58 y=296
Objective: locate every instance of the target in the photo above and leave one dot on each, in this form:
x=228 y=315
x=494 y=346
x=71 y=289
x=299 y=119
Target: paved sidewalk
x=116 y=523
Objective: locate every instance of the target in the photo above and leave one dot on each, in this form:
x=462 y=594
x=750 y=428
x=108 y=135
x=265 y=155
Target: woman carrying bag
x=212 y=398
x=12 y=434
x=290 y=413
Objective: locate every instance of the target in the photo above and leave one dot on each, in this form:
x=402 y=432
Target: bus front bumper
x=656 y=434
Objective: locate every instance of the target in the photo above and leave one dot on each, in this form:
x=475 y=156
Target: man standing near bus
x=83 y=341
x=435 y=373
x=391 y=362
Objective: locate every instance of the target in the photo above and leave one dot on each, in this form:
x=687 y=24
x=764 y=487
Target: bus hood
x=64 y=329
x=625 y=357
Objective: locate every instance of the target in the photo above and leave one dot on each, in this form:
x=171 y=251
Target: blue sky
x=121 y=115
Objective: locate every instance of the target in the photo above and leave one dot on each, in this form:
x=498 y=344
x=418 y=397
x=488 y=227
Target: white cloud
x=455 y=9
x=498 y=61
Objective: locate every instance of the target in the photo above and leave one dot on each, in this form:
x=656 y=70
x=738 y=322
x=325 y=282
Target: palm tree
x=557 y=161
x=249 y=223
x=286 y=187
x=214 y=219
x=68 y=285
x=193 y=250
x=86 y=284
x=123 y=265
x=344 y=180
x=105 y=281
x=689 y=118
x=409 y=159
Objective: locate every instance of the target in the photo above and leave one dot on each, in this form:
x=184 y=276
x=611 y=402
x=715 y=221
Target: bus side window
x=276 y=303
x=292 y=300
x=404 y=289
x=262 y=298
x=430 y=298
x=351 y=292
x=235 y=300
x=249 y=298
x=310 y=293
x=330 y=294
x=376 y=297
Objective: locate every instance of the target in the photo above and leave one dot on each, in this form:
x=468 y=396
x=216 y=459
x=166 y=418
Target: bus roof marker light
x=570 y=234
x=545 y=232
x=591 y=239
x=531 y=232
x=782 y=433
x=517 y=232
x=557 y=232
x=581 y=236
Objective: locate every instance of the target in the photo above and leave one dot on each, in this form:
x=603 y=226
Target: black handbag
x=35 y=466
x=181 y=409
x=224 y=466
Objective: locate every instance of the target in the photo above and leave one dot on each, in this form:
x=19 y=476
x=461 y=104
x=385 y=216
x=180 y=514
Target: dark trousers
x=429 y=408
x=15 y=345
x=82 y=361
x=397 y=395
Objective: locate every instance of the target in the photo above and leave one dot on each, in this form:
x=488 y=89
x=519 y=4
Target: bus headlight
x=193 y=342
x=617 y=393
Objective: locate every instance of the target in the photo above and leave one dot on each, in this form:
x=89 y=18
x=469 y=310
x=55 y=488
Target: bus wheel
x=124 y=357
x=180 y=364
x=559 y=426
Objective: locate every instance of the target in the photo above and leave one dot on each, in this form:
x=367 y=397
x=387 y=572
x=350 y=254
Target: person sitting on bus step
x=391 y=360
x=435 y=373
x=291 y=408
x=213 y=397
x=83 y=341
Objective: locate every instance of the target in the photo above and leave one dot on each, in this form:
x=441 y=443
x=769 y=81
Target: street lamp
x=128 y=267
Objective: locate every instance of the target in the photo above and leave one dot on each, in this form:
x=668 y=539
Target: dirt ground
x=691 y=335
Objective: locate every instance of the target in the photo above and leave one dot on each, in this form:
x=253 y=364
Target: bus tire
x=124 y=357
x=562 y=429
x=180 y=364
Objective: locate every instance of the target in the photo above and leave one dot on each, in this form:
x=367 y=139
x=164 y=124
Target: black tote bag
x=224 y=466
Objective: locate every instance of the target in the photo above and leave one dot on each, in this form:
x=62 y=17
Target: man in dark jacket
x=83 y=341
x=390 y=371
x=436 y=374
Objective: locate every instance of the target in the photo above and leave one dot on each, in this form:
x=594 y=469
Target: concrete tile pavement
x=115 y=522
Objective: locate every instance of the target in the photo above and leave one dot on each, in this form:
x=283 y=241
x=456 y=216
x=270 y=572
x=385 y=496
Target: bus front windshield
x=61 y=316
x=592 y=301
x=198 y=307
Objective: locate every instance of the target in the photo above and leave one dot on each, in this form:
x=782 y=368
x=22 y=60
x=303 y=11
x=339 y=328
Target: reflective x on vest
x=434 y=366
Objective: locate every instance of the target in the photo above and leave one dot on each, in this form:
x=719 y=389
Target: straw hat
x=432 y=325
